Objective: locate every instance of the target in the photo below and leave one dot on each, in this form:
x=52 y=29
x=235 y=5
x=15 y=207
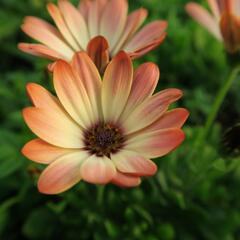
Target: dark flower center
x=103 y=139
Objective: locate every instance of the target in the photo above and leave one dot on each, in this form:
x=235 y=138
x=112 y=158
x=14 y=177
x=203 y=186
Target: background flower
x=77 y=27
x=223 y=21
x=101 y=131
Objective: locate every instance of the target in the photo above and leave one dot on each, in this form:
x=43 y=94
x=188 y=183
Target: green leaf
x=41 y=224
x=220 y=165
x=9 y=162
x=166 y=232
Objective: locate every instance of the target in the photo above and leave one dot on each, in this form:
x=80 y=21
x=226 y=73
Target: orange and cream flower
x=100 y=27
x=223 y=22
x=101 y=131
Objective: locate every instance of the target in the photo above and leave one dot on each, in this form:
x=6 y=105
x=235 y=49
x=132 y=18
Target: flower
x=98 y=26
x=101 y=131
x=223 y=23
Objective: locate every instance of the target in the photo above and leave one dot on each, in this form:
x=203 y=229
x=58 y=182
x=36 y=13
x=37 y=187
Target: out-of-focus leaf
x=9 y=161
x=166 y=232
x=220 y=165
x=112 y=229
x=40 y=224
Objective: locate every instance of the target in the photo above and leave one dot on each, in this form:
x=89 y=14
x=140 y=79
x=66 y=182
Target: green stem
x=100 y=194
x=199 y=168
x=214 y=110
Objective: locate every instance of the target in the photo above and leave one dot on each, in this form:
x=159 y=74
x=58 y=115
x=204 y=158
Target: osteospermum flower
x=100 y=27
x=223 y=22
x=101 y=131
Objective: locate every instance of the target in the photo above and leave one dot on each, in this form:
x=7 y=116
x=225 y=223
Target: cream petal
x=124 y=180
x=94 y=17
x=231 y=7
x=147 y=48
x=114 y=17
x=150 y=110
x=98 y=51
x=117 y=82
x=53 y=127
x=41 y=152
x=171 y=119
x=98 y=170
x=134 y=21
x=75 y=23
x=51 y=66
x=39 y=50
x=84 y=7
x=145 y=80
x=48 y=35
x=157 y=143
x=62 y=174
x=72 y=94
x=149 y=34
x=59 y=21
x=236 y=7
x=91 y=80
x=38 y=22
x=204 y=18
x=132 y=163
x=214 y=8
x=41 y=98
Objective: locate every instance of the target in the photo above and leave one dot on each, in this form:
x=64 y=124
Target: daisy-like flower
x=100 y=27
x=223 y=22
x=101 y=131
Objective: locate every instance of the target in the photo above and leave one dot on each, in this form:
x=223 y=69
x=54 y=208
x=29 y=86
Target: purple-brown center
x=103 y=139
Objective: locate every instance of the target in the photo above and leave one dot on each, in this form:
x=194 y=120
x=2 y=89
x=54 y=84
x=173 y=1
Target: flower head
x=101 y=131
x=223 y=22
x=100 y=27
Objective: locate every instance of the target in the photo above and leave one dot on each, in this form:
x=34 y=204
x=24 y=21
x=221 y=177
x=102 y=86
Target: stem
x=214 y=110
x=200 y=139
x=100 y=194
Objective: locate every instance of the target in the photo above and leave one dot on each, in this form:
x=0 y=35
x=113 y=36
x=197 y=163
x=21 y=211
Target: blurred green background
x=197 y=199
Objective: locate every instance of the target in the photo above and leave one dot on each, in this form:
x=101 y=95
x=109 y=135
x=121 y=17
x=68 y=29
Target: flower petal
x=62 y=174
x=75 y=23
x=149 y=34
x=98 y=51
x=39 y=50
x=147 y=48
x=171 y=119
x=113 y=21
x=156 y=144
x=89 y=75
x=124 y=180
x=53 y=127
x=132 y=163
x=59 y=21
x=230 y=29
x=204 y=18
x=84 y=7
x=236 y=7
x=117 y=82
x=215 y=8
x=98 y=170
x=150 y=110
x=48 y=35
x=134 y=21
x=145 y=80
x=42 y=152
x=72 y=93
x=94 y=17
x=41 y=98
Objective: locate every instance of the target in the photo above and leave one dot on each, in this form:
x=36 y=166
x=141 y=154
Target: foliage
x=186 y=200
